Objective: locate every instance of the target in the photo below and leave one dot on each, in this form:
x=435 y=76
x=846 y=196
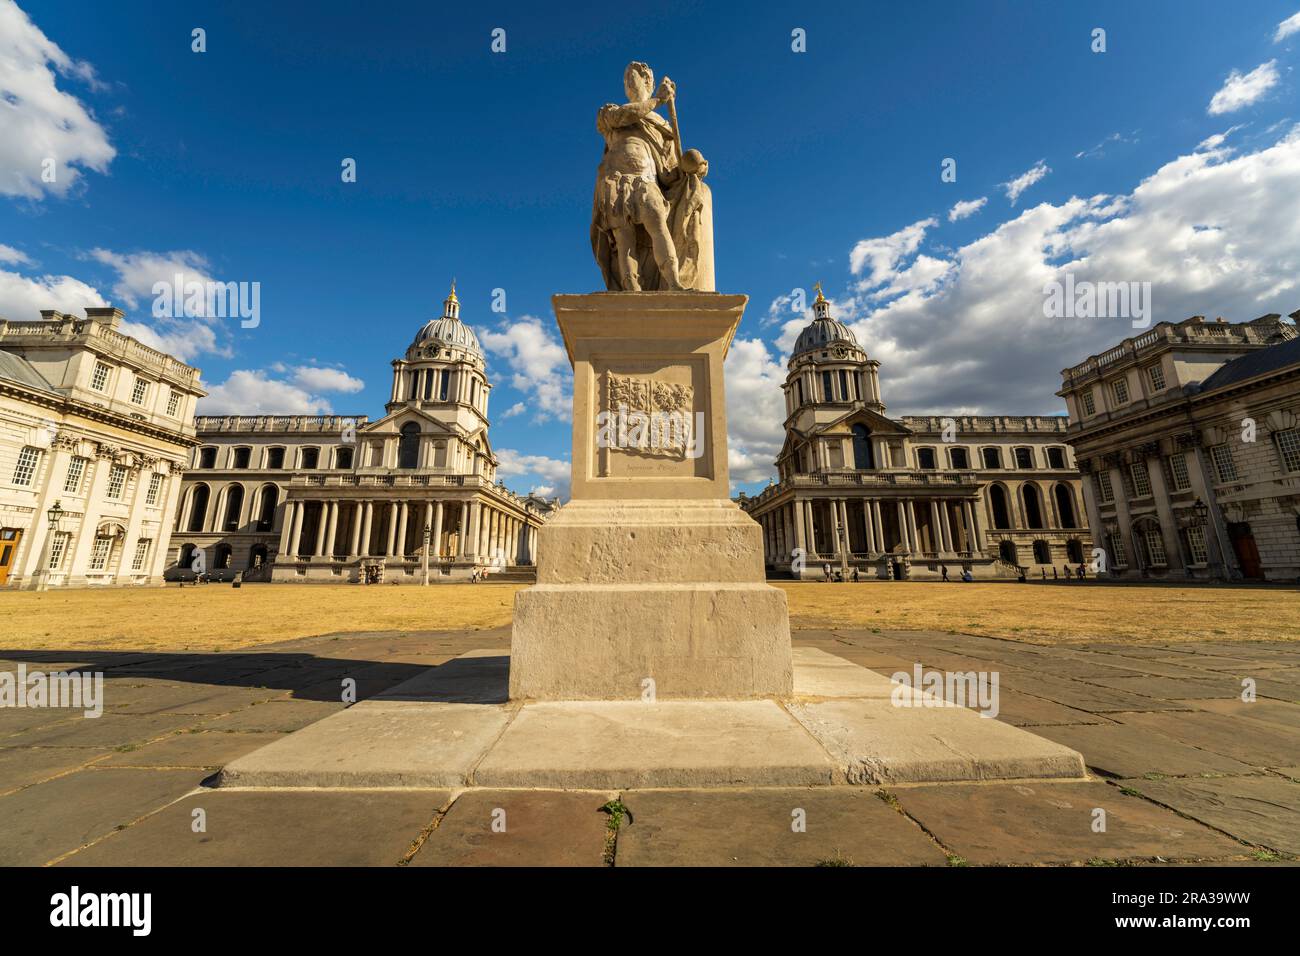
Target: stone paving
x=1183 y=769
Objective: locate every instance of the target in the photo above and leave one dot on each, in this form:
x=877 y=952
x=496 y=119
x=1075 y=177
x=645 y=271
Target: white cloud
x=1287 y=27
x=966 y=208
x=1026 y=179
x=539 y=365
x=518 y=408
x=550 y=475
x=255 y=392
x=23 y=297
x=755 y=409
x=1241 y=90
x=880 y=257
x=38 y=121
x=12 y=256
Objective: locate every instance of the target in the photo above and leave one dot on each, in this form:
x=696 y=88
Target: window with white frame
x=173 y=401
x=1119 y=388
x=58 y=548
x=25 y=470
x=1196 y=543
x=1179 y=479
x=116 y=482
x=1156 y=374
x=1024 y=458
x=1141 y=479
x=99 y=378
x=1288 y=448
x=1117 y=552
x=140 y=391
x=1224 y=466
x=141 y=554
x=99 y=553
x=72 y=481
x=1155 y=545
x=1104 y=491
x=1089 y=405
x=155 y=485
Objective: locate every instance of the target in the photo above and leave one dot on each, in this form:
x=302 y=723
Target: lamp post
x=841 y=536
x=424 y=558
x=1202 y=512
x=54 y=516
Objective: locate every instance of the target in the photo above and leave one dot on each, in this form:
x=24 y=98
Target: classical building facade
x=906 y=497
x=95 y=430
x=346 y=499
x=1189 y=439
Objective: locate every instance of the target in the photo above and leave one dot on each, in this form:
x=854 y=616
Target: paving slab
x=24 y=766
x=275 y=716
x=105 y=732
x=520 y=828
x=1275 y=713
x=874 y=741
x=274 y=828
x=376 y=744
x=44 y=821
x=818 y=673
x=1261 y=810
x=211 y=749
x=1207 y=686
x=1024 y=710
x=1122 y=750
x=1053 y=823
x=477 y=677
x=186 y=699
x=758 y=828
x=1250 y=741
x=614 y=745
x=1081 y=695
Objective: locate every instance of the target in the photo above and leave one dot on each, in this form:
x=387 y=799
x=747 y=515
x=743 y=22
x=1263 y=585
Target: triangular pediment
x=391 y=424
x=875 y=423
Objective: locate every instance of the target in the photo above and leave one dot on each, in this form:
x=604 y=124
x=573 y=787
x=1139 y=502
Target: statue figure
x=652 y=216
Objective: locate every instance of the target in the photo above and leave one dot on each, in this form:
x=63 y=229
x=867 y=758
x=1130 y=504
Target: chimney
x=108 y=314
x=51 y=315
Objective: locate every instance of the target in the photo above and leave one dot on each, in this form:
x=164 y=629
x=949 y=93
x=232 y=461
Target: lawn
x=219 y=617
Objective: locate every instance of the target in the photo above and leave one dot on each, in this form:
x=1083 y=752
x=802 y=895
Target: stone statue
x=652 y=216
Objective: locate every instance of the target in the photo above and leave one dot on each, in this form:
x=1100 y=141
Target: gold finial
x=818 y=287
x=452 y=296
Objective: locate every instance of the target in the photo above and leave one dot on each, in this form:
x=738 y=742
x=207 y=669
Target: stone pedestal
x=650 y=581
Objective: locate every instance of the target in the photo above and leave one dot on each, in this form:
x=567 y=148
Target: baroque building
x=95 y=431
x=906 y=497
x=328 y=498
x=1188 y=436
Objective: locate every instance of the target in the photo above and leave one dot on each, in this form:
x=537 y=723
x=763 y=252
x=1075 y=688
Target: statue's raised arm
x=652 y=216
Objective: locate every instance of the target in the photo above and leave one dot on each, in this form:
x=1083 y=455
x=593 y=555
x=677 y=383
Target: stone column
x=868 y=531
x=295 y=538
x=402 y=513
x=331 y=531
x=367 y=519
x=471 y=528
x=911 y=524
x=182 y=523
x=320 y=530
x=217 y=517
x=435 y=541
x=878 y=525
x=1123 y=522
x=844 y=544
x=1168 y=528
x=354 y=538
x=286 y=527
x=800 y=534
x=391 y=541
x=461 y=529
x=945 y=522
x=810 y=525
x=902 y=526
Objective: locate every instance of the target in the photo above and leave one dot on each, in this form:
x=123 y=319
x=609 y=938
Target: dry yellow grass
x=218 y=617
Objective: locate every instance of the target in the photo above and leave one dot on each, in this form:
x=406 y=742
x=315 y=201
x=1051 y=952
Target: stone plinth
x=650 y=581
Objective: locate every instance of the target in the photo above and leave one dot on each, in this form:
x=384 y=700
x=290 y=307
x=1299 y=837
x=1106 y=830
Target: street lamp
x=54 y=516
x=425 y=557
x=1202 y=512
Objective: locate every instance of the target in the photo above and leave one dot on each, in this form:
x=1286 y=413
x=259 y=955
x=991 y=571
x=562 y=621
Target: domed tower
x=443 y=373
x=829 y=373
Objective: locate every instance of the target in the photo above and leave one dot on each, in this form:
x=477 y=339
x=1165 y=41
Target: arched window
x=221 y=561
x=1074 y=551
x=256 y=556
x=1033 y=507
x=234 y=505
x=1042 y=552
x=998 y=501
x=862 y=458
x=198 y=507
x=266 y=511
x=343 y=458
x=408 y=449
x=185 y=561
x=1007 y=552
x=1065 y=506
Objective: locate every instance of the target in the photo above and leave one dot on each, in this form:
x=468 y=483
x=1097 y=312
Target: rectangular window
x=1223 y=463
x=1141 y=479
x=960 y=459
x=925 y=458
x=1155 y=546
x=1119 y=388
x=99 y=553
x=992 y=457
x=444 y=380
x=155 y=486
x=1024 y=458
x=139 y=391
x=1157 y=375
x=1104 y=491
x=141 y=554
x=72 y=481
x=1089 y=406
x=275 y=458
x=828 y=388
x=58 y=548
x=1117 y=551
x=1056 y=457
x=1288 y=448
x=100 y=378
x=1179 y=480
x=1196 y=544
x=844 y=385
x=242 y=457
x=116 y=482
x=173 y=401
x=25 y=470
x=798 y=393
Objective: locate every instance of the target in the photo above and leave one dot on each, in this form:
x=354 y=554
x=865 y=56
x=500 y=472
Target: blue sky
x=825 y=165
